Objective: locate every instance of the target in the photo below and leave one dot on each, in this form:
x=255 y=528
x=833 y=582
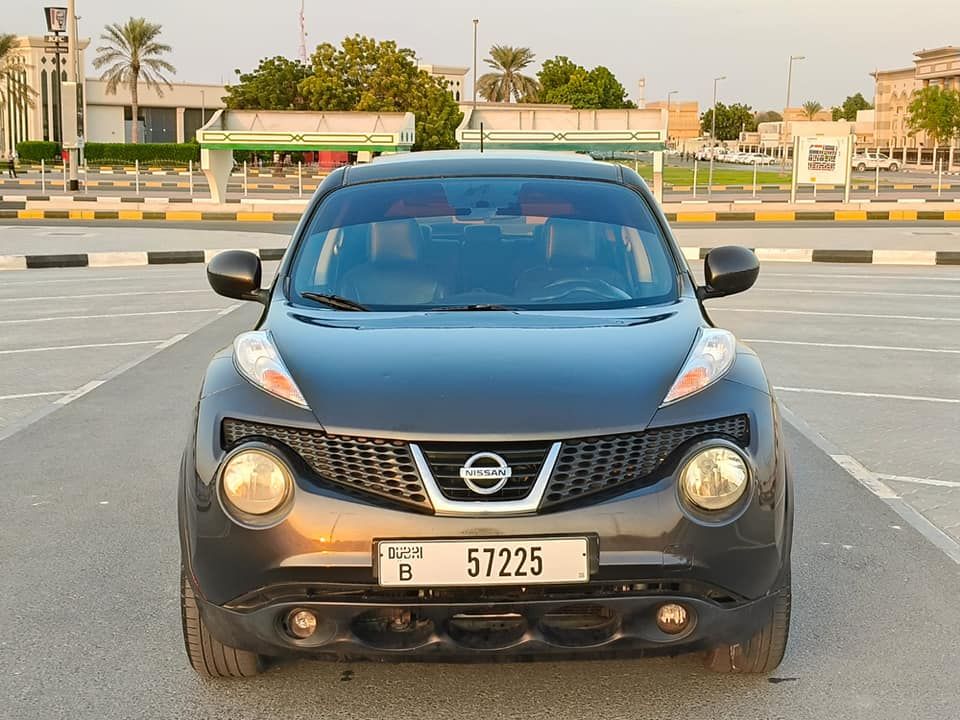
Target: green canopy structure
x=294 y=131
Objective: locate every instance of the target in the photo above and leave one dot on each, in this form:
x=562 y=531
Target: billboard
x=823 y=160
x=56 y=19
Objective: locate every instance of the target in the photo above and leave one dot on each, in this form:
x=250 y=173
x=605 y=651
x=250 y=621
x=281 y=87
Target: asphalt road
x=89 y=624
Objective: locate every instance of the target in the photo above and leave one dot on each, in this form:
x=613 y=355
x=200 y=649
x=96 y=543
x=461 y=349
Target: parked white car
x=871 y=160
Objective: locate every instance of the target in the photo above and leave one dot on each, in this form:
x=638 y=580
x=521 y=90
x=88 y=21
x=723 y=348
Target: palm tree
x=132 y=52
x=507 y=82
x=811 y=108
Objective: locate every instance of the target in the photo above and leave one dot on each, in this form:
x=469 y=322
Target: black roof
x=467 y=163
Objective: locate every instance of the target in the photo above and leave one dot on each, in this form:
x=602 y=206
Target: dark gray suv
x=484 y=412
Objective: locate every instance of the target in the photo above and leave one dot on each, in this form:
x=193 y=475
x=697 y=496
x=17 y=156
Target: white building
x=173 y=116
x=455 y=78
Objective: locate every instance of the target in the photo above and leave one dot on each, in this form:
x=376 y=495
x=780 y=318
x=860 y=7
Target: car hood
x=499 y=375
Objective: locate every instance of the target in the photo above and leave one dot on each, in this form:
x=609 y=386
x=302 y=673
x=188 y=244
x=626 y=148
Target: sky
x=675 y=44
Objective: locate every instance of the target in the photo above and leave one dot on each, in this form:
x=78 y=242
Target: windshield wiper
x=335 y=301
x=468 y=308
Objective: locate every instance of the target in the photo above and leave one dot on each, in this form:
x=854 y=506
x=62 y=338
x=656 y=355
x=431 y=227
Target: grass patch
x=721 y=175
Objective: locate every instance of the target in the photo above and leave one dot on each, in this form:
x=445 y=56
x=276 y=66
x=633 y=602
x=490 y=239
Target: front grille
x=382 y=467
x=593 y=465
x=446 y=459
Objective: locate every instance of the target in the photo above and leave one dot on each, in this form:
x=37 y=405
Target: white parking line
x=33 y=395
x=878 y=316
x=136 y=293
x=819 y=291
x=919 y=481
x=49 y=348
x=79 y=392
x=853 y=346
x=108 y=315
x=864 y=276
x=883 y=396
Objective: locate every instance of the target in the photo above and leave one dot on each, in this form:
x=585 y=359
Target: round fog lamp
x=672 y=618
x=302 y=623
x=255 y=482
x=714 y=478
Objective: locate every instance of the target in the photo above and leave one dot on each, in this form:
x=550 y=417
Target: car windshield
x=485 y=243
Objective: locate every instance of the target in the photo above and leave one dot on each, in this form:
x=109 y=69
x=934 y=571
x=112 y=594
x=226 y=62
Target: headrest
x=482 y=234
x=569 y=241
x=394 y=240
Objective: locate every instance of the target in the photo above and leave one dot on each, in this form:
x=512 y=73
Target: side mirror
x=236 y=274
x=729 y=269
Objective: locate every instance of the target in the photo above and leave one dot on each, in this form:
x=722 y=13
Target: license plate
x=433 y=563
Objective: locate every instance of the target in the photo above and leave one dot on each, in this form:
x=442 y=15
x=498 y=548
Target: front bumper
x=558 y=626
x=648 y=551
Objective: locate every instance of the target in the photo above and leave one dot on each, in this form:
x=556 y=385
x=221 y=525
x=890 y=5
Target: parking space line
x=875 y=485
x=919 y=481
x=49 y=348
x=863 y=276
x=109 y=315
x=79 y=392
x=877 y=316
x=21 y=396
x=172 y=340
x=883 y=396
x=137 y=293
x=818 y=291
x=853 y=346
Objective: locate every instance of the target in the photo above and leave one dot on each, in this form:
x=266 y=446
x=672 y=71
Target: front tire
x=208 y=656
x=861 y=167
x=764 y=652
x=893 y=167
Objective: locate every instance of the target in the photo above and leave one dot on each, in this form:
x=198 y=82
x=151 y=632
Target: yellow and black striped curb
x=123 y=258
x=166 y=215
x=177 y=257
x=692 y=217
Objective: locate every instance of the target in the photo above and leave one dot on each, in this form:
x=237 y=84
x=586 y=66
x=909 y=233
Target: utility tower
x=303 y=36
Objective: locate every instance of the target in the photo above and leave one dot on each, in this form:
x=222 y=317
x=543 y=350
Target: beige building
x=683 y=122
x=894 y=89
x=454 y=77
x=173 y=116
x=798 y=114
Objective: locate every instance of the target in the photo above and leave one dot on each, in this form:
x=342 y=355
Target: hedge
x=127 y=153
x=37 y=150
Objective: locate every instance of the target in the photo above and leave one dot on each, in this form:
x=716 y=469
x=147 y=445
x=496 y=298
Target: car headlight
x=712 y=355
x=257 y=359
x=714 y=478
x=255 y=482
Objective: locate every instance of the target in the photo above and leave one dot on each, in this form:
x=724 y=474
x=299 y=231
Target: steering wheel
x=596 y=287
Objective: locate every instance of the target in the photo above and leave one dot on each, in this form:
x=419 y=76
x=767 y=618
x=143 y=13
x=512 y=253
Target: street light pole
x=72 y=77
x=783 y=122
x=669 y=95
x=713 y=132
x=476 y=22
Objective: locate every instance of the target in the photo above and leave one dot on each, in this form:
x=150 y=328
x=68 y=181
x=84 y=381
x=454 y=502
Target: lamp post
x=783 y=123
x=713 y=132
x=476 y=22
x=669 y=95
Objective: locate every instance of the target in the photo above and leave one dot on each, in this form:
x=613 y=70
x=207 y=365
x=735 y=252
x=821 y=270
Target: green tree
x=131 y=52
x=767 y=116
x=507 y=81
x=274 y=85
x=731 y=120
x=811 y=108
x=850 y=107
x=366 y=75
x=564 y=82
x=936 y=112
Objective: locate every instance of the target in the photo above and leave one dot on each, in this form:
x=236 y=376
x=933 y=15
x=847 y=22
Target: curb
x=181 y=257
x=20 y=212
x=125 y=259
